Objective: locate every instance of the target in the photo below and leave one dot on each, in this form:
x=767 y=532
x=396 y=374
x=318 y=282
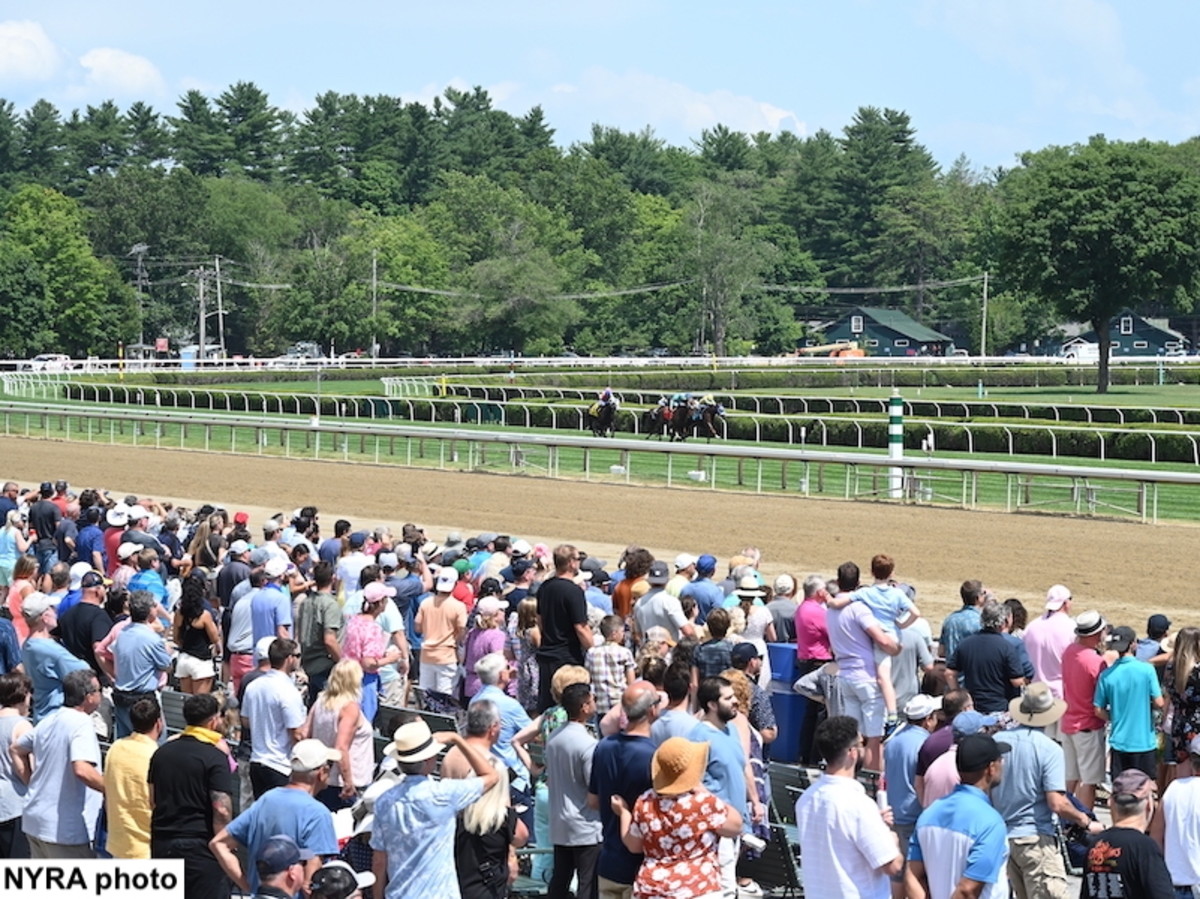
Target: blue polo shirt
x=47 y=662
x=900 y=769
x=1124 y=690
x=270 y=607
x=139 y=655
x=708 y=596
x=968 y=838
x=513 y=719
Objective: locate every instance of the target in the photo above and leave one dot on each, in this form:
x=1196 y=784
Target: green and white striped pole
x=896 y=444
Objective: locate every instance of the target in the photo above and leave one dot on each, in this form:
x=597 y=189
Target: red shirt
x=1081 y=667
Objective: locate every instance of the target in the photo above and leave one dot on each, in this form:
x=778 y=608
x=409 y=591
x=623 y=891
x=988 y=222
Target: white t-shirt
x=273 y=706
x=59 y=808
x=843 y=840
x=1181 y=834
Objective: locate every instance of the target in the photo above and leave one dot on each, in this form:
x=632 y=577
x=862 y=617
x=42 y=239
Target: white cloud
x=633 y=98
x=26 y=52
x=122 y=74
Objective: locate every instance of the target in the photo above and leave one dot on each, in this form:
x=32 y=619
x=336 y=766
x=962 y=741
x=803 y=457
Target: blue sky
x=984 y=79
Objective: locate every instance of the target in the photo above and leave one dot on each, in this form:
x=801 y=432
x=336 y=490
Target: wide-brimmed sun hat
x=678 y=766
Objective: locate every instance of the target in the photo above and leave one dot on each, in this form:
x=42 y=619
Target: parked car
x=49 y=362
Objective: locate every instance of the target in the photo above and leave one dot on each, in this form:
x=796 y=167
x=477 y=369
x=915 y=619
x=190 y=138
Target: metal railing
x=1014 y=486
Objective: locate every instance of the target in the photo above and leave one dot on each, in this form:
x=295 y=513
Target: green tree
x=724 y=150
x=146 y=140
x=89 y=307
x=199 y=137
x=27 y=325
x=9 y=145
x=254 y=128
x=41 y=159
x=1099 y=226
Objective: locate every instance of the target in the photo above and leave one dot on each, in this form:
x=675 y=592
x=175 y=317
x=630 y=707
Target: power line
x=904 y=288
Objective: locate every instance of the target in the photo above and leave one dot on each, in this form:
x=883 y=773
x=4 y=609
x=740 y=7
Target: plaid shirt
x=608 y=666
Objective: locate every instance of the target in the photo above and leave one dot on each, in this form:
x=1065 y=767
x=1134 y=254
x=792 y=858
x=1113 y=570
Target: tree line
x=621 y=242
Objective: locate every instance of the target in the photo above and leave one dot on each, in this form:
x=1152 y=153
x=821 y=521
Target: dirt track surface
x=1111 y=566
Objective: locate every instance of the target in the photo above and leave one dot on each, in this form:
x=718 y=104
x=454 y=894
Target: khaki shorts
x=1035 y=868
x=1084 y=756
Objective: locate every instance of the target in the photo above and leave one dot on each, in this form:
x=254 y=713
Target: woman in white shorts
x=197 y=637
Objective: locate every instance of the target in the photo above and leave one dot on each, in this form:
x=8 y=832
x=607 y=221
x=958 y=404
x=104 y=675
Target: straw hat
x=414 y=743
x=678 y=766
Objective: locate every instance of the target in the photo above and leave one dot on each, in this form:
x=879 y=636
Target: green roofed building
x=887 y=332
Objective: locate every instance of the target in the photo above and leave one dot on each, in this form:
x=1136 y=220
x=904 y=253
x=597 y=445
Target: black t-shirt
x=44 y=517
x=987 y=663
x=184 y=772
x=482 y=860
x=1125 y=863
x=561 y=604
x=80 y=629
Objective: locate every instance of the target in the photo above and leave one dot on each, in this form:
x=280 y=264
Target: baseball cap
x=46 y=488
x=93 y=579
x=137 y=513
x=1056 y=597
x=658 y=575
x=487 y=537
x=489 y=605
x=785 y=584
x=262 y=648
x=78 y=570
x=1158 y=624
x=520 y=566
x=358 y=539
x=388 y=560
x=309 y=755
x=454 y=538
x=241 y=518
x=125 y=550
x=743 y=652
x=36 y=603
x=337 y=880
x=1132 y=784
x=271 y=526
x=977 y=751
x=706 y=564
x=592 y=564
x=276 y=566
x=972 y=722
x=1121 y=638
x=521 y=548
x=921 y=706
x=683 y=560
x=238 y=547
x=278 y=854
x=446 y=579
x=260 y=556
x=376 y=591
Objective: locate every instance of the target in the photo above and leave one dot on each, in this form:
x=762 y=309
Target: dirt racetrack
x=1115 y=567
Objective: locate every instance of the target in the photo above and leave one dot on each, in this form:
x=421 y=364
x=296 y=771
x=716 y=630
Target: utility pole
x=200 y=353
x=139 y=250
x=220 y=308
x=983 y=323
x=374 y=303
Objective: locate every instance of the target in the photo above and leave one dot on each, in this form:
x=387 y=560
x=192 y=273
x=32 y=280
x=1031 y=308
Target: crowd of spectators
x=618 y=717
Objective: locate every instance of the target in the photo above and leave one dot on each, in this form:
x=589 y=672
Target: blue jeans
x=47 y=559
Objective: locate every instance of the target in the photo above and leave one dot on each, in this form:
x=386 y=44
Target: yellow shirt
x=127 y=796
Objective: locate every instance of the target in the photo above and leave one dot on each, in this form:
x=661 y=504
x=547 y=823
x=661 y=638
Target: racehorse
x=700 y=422
x=599 y=419
x=656 y=421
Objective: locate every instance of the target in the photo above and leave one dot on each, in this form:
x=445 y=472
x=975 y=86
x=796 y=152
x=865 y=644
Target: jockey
x=707 y=400
x=608 y=398
x=681 y=399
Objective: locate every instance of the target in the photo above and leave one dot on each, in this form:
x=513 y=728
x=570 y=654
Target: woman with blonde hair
x=1182 y=681
x=752 y=747
x=337 y=720
x=14 y=541
x=489 y=834
x=21 y=586
x=528 y=637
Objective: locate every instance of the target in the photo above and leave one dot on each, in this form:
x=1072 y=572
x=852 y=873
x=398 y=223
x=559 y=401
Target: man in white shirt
x=275 y=712
x=1177 y=828
x=846 y=844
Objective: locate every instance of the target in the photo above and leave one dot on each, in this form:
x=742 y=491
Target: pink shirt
x=1046 y=639
x=812 y=633
x=941 y=778
x=363 y=637
x=1081 y=669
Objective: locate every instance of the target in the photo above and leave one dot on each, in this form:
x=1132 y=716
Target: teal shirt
x=1125 y=691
